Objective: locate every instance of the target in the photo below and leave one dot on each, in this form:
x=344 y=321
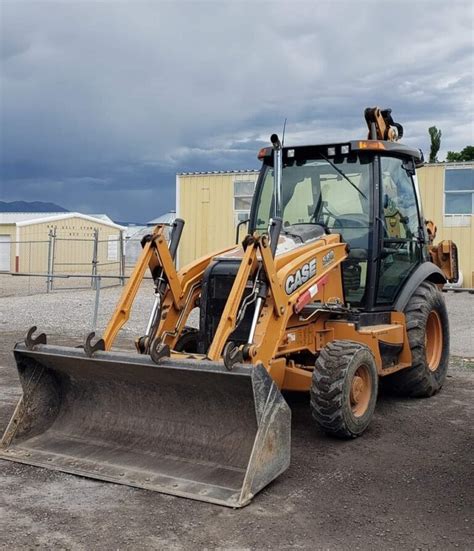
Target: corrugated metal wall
x=431 y=181
x=206 y=203
x=73 y=248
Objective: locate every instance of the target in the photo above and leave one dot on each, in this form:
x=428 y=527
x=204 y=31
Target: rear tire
x=428 y=335
x=344 y=389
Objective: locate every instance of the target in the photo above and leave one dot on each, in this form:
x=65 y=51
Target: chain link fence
x=91 y=272
x=63 y=263
x=67 y=263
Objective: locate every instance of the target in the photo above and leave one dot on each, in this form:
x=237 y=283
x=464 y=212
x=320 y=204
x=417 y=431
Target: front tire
x=188 y=341
x=428 y=335
x=344 y=389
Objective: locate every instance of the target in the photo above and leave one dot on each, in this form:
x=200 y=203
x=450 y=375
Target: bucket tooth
x=30 y=341
x=90 y=348
x=189 y=428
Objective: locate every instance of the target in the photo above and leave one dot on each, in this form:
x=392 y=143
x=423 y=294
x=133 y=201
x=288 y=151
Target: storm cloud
x=103 y=102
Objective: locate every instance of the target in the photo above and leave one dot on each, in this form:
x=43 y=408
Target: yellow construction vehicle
x=335 y=286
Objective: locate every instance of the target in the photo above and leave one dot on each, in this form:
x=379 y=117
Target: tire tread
x=327 y=389
x=418 y=380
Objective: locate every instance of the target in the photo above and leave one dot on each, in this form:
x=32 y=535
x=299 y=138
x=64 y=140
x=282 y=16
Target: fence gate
x=82 y=261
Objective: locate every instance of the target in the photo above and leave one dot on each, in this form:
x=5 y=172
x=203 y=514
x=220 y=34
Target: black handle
x=175 y=236
x=275 y=229
x=237 y=229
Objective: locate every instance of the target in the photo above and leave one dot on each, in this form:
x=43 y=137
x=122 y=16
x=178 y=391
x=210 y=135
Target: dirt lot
x=406 y=484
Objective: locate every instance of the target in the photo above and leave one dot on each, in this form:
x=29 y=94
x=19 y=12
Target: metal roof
x=457 y=164
x=249 y=171
x=133 y=232
x=167 y=218
x=16 y=217
x=103 y=217
x=30 y=218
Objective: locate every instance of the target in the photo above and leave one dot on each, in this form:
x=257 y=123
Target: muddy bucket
x=188 y=428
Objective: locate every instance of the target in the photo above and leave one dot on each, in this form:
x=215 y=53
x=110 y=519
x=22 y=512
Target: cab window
x=401 y=250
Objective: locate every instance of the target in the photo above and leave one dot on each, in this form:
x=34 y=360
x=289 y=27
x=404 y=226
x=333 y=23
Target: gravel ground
x=70 y=313
x=403 y=485
x=27 y=285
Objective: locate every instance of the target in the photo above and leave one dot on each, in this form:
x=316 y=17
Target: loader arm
x=122 y=311
x=279 y=330
x=276 y=335
x=183 y=288
x=173 y=319
x=155 y=254
x=255 y=245
x=229 y=315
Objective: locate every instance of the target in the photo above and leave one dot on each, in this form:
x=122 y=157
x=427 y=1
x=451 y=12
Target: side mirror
x=409 y=166
x=421 y=162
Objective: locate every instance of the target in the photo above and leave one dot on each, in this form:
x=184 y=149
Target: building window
x=243 y=194
x=459 y=190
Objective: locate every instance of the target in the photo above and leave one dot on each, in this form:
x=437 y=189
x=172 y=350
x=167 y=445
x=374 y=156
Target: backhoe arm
x=381 y=125
x=444 y=254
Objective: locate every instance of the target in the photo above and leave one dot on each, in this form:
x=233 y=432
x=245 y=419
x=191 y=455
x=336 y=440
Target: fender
x=426 y=271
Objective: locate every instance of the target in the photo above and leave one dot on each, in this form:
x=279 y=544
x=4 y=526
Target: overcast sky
x=103 y=102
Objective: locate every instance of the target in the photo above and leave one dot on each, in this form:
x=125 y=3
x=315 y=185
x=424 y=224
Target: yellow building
x=64 y=242
x=447 y=195
x=212 y=203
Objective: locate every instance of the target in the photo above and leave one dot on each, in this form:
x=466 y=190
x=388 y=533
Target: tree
x=467 y=154
x=435 y=136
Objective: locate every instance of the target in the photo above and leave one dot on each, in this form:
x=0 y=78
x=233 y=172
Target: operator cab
x=363 y=190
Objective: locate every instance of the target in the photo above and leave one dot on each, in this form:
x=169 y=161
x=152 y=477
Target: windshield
x=316 y=192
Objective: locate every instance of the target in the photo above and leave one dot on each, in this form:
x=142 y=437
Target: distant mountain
x=30 y=206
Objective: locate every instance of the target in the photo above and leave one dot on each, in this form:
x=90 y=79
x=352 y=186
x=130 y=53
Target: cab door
x=401 y=244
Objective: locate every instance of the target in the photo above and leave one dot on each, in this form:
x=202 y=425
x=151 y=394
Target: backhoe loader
x=335 y=287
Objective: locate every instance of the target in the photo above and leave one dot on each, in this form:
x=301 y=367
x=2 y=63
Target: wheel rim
x=433 y=340
x=361 y=390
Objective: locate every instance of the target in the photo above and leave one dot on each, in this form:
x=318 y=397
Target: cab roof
x=345 y=148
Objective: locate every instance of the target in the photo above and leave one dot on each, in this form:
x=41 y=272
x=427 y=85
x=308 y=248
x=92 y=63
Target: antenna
x=283 y=134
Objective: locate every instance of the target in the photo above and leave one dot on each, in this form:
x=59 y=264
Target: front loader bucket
x=188 y=428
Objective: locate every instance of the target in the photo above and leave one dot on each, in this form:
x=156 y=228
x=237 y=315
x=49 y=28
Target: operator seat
x=304 y=232
x=354 y=230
